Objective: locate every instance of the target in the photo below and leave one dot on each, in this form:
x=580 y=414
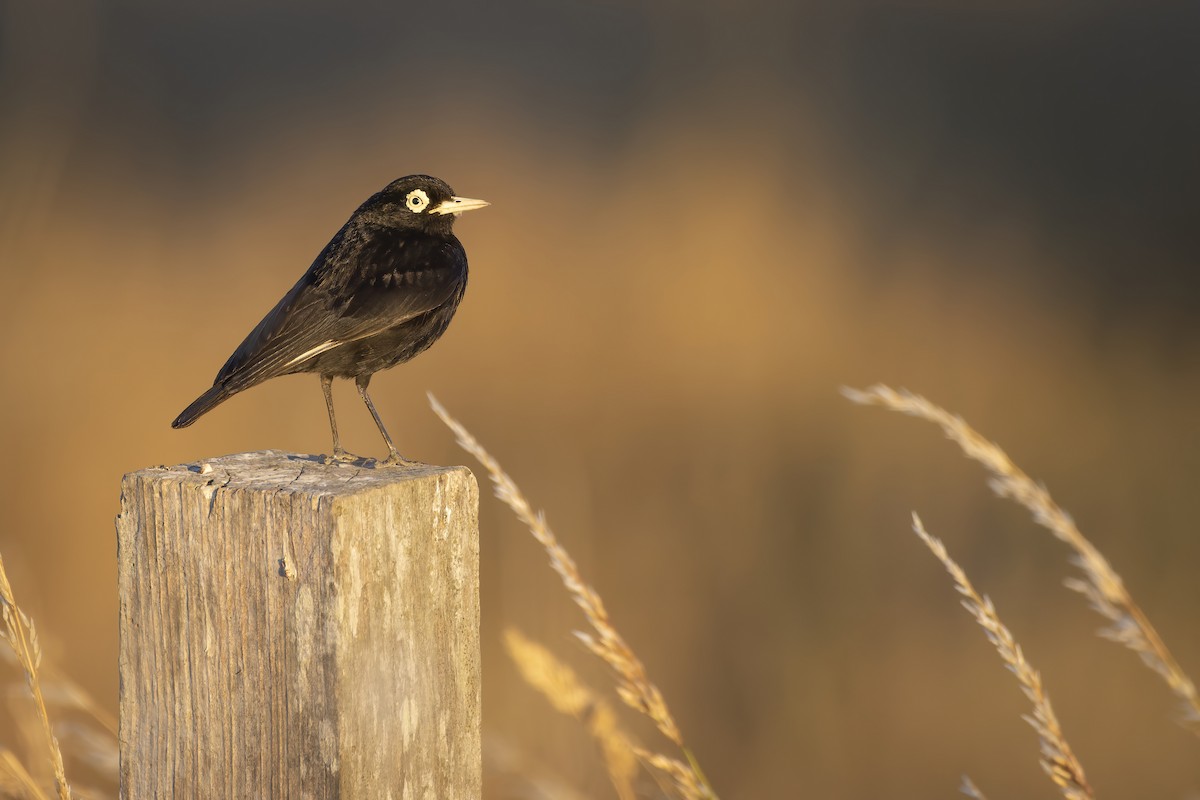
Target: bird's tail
x=203 y=404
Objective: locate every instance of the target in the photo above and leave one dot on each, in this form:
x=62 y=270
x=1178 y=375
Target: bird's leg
x=338 y=453
x=394 y=456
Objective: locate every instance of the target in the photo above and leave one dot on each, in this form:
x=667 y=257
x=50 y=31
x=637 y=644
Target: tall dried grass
x=84 y=731
x=21 y=635
x=542 y=670
x=1057 y=759
x=681 y=777
x=633 y=685
x=1100 y=584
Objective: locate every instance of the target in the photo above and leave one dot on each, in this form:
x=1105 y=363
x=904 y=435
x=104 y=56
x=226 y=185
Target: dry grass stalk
x=88 y=741
x=21 y=635
x=969 y=788
x=512 y=773
x=61 y=692
x=27 y=736
x=686 y=780
x=89 y=746
x=633 y=685
x=569 y=695
x=1101 y=585
x=1057 y=759
x=15 y=780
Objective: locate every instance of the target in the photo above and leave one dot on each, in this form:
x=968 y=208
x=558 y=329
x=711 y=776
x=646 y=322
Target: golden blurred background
x=707 y=217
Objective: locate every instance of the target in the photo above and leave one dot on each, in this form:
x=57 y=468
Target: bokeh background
x=707 y=216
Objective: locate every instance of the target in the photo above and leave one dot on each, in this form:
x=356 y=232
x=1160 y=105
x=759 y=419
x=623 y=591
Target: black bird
x=383 y=290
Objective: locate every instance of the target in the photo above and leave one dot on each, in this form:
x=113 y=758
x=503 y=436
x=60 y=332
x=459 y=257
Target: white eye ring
x=416 y=201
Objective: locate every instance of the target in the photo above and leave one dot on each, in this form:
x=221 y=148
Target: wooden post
x=296 y=630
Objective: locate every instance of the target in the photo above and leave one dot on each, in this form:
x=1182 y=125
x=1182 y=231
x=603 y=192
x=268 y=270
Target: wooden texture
x=296 y=630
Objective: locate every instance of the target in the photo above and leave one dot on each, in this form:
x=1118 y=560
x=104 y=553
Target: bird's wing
x=352 y=291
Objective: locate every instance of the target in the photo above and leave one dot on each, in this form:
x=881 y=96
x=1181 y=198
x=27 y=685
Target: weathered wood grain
x=296 y=630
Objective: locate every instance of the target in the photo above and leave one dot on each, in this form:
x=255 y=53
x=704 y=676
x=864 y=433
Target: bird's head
x=417 y=201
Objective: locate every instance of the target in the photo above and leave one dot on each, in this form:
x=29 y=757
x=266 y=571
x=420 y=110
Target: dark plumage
x=383 y=290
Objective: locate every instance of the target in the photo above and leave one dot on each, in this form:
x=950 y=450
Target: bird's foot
x=394 y=459
x=340 y=456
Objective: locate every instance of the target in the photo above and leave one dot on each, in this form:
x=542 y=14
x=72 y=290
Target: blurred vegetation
x=706 y=218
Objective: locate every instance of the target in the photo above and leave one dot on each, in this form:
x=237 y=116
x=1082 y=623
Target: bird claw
x=395 y=460
x=340 y=456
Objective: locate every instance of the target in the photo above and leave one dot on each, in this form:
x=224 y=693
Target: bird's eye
x=416 y=200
